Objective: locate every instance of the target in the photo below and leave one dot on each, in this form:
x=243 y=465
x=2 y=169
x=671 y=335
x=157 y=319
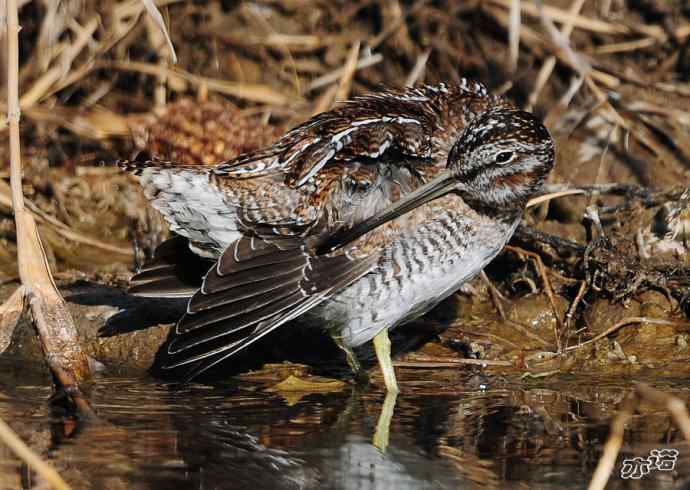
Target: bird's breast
x=417 y=271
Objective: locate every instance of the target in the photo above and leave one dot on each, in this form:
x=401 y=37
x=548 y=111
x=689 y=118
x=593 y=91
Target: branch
x=51 y=318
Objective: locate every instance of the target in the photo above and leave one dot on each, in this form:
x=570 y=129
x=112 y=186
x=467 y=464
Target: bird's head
x=501 y=159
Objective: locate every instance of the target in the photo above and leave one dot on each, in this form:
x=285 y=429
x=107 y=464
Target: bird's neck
x=503 y=210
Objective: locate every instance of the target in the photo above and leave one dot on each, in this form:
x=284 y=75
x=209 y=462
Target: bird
x=356 y=221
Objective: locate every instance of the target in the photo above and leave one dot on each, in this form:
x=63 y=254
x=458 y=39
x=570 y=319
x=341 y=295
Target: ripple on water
x=236 y=435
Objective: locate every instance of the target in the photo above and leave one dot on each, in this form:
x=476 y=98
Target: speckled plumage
x=358 y=220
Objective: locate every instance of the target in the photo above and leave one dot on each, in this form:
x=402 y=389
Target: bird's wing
x=416 y=122
x=257 y=285
x=353 y=145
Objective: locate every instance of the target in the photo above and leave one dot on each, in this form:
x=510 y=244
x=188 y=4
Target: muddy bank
x=123 y=334
x=97 y=309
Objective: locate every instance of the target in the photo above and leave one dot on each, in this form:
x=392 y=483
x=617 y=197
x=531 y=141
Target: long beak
x=441 y=185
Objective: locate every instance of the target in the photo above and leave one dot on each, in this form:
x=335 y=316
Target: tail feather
x=193 y=207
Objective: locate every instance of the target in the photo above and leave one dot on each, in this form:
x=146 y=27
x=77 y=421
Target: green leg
x=382 y=345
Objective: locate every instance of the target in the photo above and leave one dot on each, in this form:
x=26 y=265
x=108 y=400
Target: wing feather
x=214 y=282
x=173 y=272
x=369 y=126
x=231 y=318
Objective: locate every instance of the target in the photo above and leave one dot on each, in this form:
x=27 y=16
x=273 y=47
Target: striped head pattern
x=502 y=158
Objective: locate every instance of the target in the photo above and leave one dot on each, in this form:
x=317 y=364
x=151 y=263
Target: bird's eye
x=505 y=157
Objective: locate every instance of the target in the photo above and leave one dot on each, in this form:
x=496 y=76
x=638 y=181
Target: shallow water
x=481 y=432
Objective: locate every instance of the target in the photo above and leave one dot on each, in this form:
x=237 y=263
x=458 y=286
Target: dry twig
x=573 y=306
x=248 y=91
x=417 y=72
x=626 y=321
x=345 y=83
x=26 y=454
x=495 y=294
x=541 y=269
x=53 y=322
x=550 y=63
x=158 y=20
x=421 y=363
x=335 y=75
x=514 y=35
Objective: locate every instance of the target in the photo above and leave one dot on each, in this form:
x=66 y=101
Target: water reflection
x=238 y=435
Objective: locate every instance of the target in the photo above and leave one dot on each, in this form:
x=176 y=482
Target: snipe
x=358 y=220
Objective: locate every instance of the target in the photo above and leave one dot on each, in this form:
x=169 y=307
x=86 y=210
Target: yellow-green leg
x=352 y=360
x=382 y=345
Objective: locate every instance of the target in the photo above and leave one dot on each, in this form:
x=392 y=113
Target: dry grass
x=91 y=72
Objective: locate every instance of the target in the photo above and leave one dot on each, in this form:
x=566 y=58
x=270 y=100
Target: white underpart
x=194 y=208
x=371 y=304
